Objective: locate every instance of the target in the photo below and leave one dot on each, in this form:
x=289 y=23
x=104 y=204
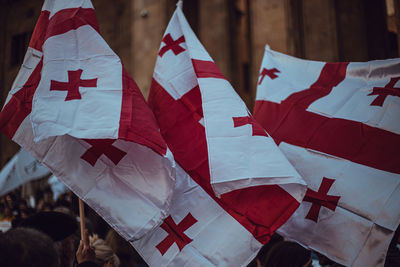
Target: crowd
x=44 y=231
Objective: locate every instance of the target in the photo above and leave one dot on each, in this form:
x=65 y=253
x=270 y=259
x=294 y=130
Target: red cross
x=320 y=198
x=383 y=92
x=100 y=147
x=176 y=233
x=257 y=129
x=269 y=72
x=73 y=84
x=171 y=44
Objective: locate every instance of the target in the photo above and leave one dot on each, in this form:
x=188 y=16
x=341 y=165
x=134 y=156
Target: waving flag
x=75 y=108
x=20 y=169
x=338 y=124
x=234 y=187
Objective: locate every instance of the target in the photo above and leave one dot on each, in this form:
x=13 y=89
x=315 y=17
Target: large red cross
x=269 y=72
x=100 y=147
x=171 y=44
x=176 y=233
x=257 y=129
x=73 y=84
x=320 y=198
x=383 y=92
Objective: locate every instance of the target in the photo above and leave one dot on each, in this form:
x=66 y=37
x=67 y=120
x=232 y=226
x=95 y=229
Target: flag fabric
x=76 y=109
x=57 y=187
x=234 y=187
x=21 y=168
x=338 y=124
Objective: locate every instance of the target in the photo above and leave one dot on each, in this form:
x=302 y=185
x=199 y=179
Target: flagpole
x=82 y=219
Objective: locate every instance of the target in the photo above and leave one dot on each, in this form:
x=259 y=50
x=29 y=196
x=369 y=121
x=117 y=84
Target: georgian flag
x=338 y=124
x=234 y=187
x=75 y=108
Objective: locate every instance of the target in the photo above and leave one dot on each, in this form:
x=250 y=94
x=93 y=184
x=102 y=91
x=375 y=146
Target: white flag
x=21 y=168
x=338 y=124
x=234 y=187
x=75 y=108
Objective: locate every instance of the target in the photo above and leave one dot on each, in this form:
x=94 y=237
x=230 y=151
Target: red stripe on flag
x=62 y=22
x=260 y=209
x=290 y=122
x=39 y=32
x=20 y=104
x=71 y=19
x=342 y=138
x=206 y=69
x=331 y=75
x=137 y=122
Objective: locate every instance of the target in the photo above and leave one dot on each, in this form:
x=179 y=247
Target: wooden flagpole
x=82 y=219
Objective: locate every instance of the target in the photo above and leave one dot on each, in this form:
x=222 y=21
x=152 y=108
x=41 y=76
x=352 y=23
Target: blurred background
x=234 y=32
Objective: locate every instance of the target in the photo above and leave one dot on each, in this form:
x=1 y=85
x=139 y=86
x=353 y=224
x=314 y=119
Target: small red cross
x=320 y=198
x=383 y=92
x=257 y=129
x=176 y=233
x=171 y=44
x=100 y=147
x=73 y=84
x=269 y=72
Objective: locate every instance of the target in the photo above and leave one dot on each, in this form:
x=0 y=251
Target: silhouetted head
x=27 y=247
x=287 y=254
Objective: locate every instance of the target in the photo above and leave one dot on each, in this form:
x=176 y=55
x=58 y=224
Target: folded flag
x=21 y=168
x=234 y=187
x=338 y=124
x=76 y=109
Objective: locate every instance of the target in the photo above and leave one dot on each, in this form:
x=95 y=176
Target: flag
x=57 y=187
x=21 y=168
x=77 y=110
x=234 y=187
x=338 y=124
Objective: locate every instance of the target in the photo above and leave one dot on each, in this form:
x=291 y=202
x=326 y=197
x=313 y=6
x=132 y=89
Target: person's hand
x=85 y=252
